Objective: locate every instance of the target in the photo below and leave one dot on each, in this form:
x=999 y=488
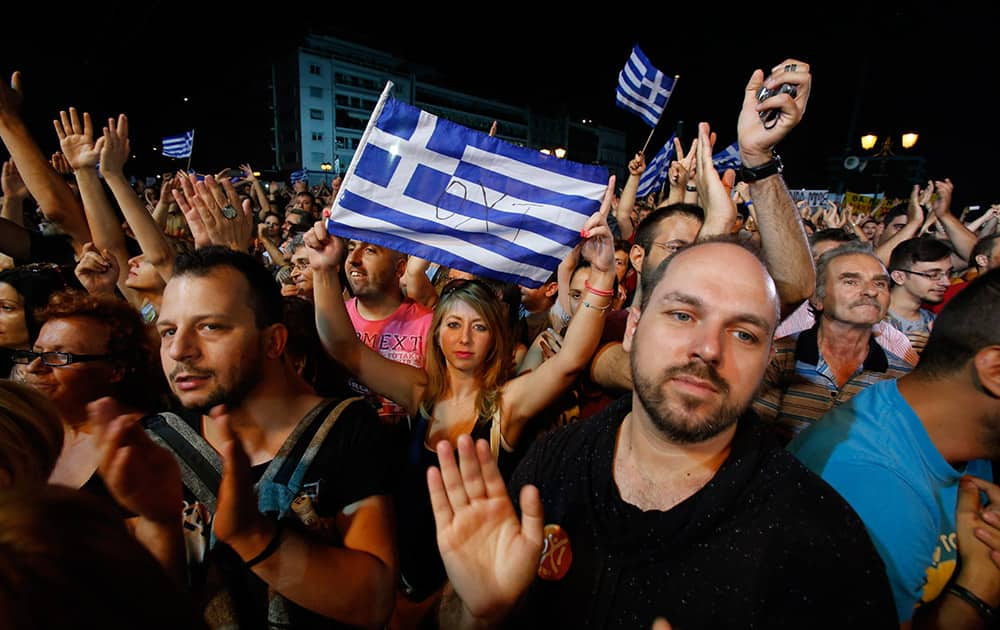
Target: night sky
x=926 y=67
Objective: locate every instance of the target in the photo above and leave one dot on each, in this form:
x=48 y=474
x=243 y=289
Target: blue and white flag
x=642 y=88
x=300 y=175
x=180 y=145
x=426 y=186
x=728 y=158
x=657 y=170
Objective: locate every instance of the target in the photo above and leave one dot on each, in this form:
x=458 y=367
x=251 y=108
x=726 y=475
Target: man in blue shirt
x=910 y=456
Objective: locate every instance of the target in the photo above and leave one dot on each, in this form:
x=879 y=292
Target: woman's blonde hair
x=498 y=364
x=31 y=435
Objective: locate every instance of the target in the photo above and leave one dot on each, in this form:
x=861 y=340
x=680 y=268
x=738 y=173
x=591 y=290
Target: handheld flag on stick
x=180 y=145
x=429 y=187
x=656 y=171
x=642 y=89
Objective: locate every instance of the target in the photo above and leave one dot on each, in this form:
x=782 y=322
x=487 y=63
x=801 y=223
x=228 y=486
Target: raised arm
x=258 y=189
x=399 y=382
x=914 y=220
x=14 y=193
x=623 y=213
x=962 y=239
x=114 y=152
x=77 y=142
x=54 y=197
x=526 y=395
x=418 y=286
x=786 y=250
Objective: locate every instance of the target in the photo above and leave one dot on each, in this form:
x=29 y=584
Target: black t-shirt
x=765 y=544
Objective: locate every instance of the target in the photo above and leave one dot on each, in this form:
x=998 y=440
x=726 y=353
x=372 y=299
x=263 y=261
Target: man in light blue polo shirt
x=898 y=452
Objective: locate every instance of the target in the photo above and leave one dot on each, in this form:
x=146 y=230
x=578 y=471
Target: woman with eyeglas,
x=466 y=386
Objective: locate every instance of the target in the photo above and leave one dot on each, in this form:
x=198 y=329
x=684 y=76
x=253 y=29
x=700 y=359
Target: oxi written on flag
x=643 y=89
x=428 y=187
x=180 y=145
x=656 y=171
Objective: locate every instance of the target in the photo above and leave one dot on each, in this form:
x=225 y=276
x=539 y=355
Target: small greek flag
x=657 y=170
x=643 y=89
x=300 y=175
x=728 y=158
x=426 y=186
x=180 y=145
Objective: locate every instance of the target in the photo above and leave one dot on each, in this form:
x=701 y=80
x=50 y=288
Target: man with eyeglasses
x=921 y=272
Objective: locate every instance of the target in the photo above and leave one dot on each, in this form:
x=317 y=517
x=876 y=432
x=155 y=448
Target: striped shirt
x=800 y=386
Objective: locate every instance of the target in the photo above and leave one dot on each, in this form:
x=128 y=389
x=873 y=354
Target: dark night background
x=925 y=67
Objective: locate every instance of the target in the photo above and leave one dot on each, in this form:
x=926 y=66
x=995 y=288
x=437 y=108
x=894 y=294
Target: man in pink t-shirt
x=389 y=323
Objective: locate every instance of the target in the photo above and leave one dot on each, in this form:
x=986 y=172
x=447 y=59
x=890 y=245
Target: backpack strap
x=282 y=481
x=201 y=466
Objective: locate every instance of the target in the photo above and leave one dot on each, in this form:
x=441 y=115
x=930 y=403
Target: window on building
x=318 y=156
x=315 y=69
x=317 y=136
x=316 y=114
x=316 y=92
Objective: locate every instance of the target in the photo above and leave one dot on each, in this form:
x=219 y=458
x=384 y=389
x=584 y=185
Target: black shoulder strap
x=201 y=466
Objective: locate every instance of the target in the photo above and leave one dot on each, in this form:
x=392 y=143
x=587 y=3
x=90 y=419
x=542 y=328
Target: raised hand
x=942 y=204
x=11 y=97
x=637 y=166
x=720 y=210
x=97 y=270
x=326 y=252
x=756 y=139
x=143 y=477
x=214 y=212
x=248 y=173
x=599 y=246
x=11 y=182
x=236 y=513
x=77 y=140
x=60 y=164
x=978 y=530
x=491 y=556
x=114 y=146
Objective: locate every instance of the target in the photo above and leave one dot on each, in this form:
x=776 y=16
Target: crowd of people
x=724 y=409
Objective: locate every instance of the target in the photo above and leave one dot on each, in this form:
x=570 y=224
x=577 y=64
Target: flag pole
x=188 y=169
x=653 y=130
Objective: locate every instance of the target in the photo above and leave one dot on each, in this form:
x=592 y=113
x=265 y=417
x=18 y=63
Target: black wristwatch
x=748 y=174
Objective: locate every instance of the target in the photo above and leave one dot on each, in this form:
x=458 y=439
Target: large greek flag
x=426 y=186
x=657 y=170
x=180 y=145
x=643 y=89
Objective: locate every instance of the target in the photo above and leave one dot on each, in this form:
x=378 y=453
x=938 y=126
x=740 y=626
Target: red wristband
x=602 y=293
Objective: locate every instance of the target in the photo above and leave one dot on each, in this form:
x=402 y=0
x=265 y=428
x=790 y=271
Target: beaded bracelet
x=985 y=611
x=269 y=549
x=598 y=292
x=604 y=308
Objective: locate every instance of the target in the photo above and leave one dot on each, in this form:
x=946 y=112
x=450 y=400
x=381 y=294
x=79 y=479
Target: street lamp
x=326 y=167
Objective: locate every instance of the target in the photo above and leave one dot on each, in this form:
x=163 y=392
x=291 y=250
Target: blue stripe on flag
x=360 y=205
x=399 y=119
x=432 y=187
x=377 y=165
